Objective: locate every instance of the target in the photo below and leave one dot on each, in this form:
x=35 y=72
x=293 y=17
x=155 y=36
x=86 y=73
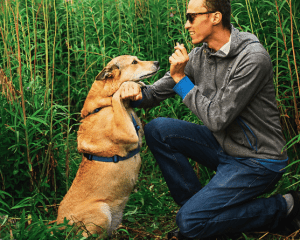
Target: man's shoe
x=293 y=219
x=291 y=223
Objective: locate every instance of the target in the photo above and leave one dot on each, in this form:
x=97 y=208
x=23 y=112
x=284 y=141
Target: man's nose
x=187 y=24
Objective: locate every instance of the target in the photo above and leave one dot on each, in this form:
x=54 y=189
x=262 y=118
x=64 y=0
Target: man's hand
x=131 y=90
x=178 y=62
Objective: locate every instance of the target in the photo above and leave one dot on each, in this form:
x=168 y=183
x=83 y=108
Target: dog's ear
x=107 y=72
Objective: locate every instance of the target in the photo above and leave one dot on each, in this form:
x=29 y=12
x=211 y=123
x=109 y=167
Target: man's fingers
x=137 y=97
x=136 y=90
x=124 y=92
x=172 y=60
x=177 y=57
x=135 y=93
x=130 y=90
x=178 y=53
x=181 y=48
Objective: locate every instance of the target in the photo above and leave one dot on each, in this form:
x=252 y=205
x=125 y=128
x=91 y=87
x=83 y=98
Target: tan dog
x=100 y=190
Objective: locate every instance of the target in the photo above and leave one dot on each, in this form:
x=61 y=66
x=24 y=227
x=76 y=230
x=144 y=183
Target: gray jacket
x=232 y=94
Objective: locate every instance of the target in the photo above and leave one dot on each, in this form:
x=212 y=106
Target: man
x=228 y=84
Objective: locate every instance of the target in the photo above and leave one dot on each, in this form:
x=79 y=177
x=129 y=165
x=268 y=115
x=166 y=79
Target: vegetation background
x=50 y=53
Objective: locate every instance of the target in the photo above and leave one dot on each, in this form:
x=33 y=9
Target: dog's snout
x=156 y=63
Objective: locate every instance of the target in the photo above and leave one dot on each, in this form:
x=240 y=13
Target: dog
x=110 y=136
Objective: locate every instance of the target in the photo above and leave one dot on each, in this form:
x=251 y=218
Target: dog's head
x=128 y=68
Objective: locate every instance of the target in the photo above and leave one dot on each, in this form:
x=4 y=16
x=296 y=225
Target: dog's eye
x=134 y=62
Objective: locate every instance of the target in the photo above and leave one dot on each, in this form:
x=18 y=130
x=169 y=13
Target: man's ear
x=107 y=72
x=217 y=18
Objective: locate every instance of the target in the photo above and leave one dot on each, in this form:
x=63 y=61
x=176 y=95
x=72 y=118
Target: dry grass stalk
x=7 y=88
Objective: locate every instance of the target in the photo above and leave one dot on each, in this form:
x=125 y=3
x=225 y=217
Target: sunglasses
x=191 y=16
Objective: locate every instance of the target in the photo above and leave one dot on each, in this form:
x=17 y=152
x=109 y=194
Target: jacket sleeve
x=250 y=76
x=162 y=88
x=159 y=91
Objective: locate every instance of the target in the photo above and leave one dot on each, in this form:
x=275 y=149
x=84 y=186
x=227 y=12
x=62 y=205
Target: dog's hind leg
x=97 y=219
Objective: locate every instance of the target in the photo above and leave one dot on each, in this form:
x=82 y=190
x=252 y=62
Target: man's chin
x=195 y=41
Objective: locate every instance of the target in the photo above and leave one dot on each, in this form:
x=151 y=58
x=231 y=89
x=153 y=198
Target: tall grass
x=51 y=52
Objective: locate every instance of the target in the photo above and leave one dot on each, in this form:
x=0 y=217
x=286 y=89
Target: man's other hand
x=178 y=62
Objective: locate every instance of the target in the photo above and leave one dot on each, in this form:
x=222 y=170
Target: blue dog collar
x=116 y=158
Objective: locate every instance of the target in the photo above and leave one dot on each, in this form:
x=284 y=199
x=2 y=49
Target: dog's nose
x=156 y=63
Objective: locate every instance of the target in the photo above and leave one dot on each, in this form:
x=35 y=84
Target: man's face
x=201 y=28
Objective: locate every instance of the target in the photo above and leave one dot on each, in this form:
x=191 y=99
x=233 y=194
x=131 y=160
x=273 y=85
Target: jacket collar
x=238 y=41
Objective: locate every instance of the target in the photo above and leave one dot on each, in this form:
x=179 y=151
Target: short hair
x=224 y=7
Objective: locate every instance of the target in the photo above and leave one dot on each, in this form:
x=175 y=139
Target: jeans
x=228 y=202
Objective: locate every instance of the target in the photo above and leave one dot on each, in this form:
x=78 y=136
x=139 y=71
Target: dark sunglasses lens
x=189 y=17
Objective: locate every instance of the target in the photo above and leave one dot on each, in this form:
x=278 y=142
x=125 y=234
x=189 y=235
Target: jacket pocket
x=240 y=133
x=250 y=140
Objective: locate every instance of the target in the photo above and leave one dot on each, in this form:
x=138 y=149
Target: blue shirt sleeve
x=183 y=87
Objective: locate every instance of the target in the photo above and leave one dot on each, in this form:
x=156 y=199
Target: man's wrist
x=178 y=78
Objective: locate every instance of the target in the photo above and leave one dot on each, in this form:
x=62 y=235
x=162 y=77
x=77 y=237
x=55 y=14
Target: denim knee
x=151 y=129
x=187 y=225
